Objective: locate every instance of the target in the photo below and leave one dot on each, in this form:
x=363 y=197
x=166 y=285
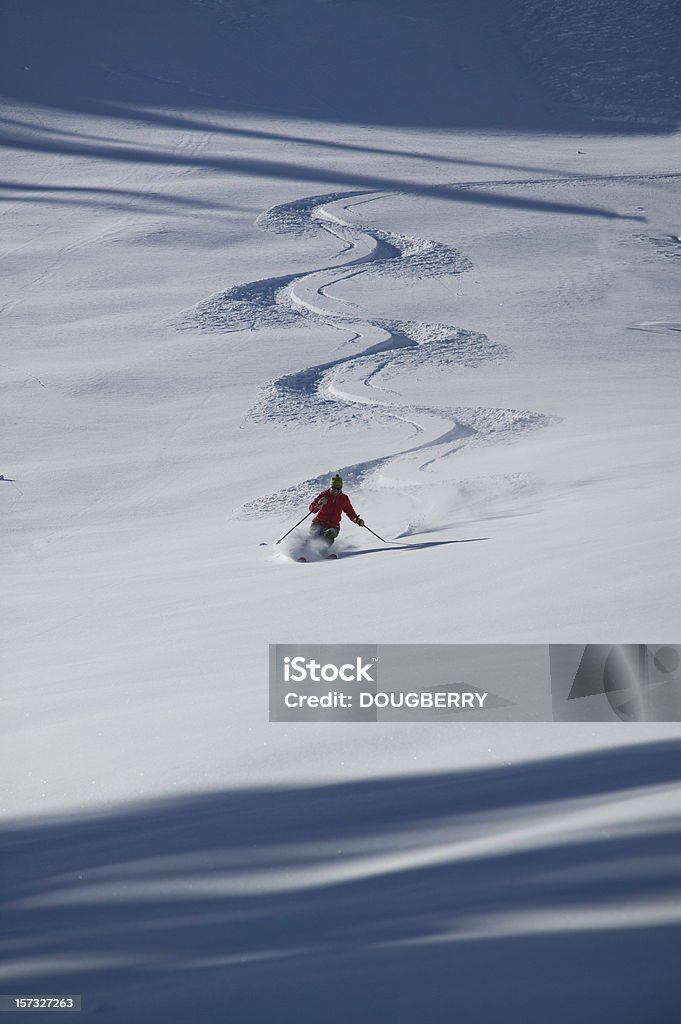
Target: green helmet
x=337 y=482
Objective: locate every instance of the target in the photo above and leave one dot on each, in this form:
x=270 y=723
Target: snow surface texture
x=250 y=243
x=347 y=390
x=622 y=58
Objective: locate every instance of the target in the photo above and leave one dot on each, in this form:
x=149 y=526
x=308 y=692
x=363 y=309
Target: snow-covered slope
x=247 y=245
x=514 y=65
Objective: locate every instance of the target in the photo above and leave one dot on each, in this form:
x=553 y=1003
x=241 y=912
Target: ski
x=333 y=557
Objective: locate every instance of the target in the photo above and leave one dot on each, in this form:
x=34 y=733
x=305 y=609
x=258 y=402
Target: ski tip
x=301 y=559
x=331 y=556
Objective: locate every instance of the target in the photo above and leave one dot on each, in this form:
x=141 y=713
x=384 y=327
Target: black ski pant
x=327 y=533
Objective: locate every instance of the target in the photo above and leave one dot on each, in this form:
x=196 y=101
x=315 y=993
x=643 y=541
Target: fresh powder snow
x=246 y=244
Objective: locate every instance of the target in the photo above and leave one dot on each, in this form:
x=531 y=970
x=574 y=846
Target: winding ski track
x=346 y=390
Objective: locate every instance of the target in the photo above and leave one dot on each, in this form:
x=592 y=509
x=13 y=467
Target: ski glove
x=360 y=522
x=322 y=502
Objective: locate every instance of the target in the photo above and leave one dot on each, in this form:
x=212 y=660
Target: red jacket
x=330 y=514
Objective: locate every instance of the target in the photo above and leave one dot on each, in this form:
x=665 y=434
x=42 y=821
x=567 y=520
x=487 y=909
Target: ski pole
x=376 y=535
x=293 y=528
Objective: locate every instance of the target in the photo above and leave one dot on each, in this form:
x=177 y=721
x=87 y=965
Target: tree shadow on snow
x=534 y=892
x=503 y=65
x=188 y=64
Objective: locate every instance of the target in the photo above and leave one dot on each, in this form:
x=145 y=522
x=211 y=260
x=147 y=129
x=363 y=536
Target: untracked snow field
x=226 y=278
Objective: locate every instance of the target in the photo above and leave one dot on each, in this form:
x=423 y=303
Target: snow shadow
x=535 y=892
x=474 y=193
x=508 y=65
x=398 y=546
x=99 y=198
x=501 y=66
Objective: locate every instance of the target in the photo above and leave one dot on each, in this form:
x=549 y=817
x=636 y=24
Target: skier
x=329 y=506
